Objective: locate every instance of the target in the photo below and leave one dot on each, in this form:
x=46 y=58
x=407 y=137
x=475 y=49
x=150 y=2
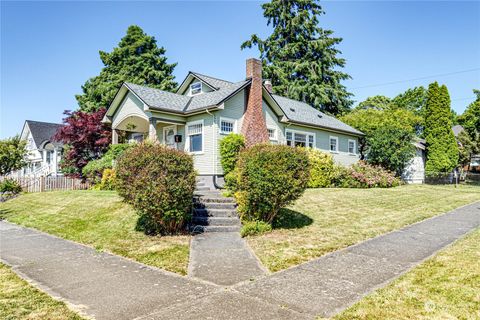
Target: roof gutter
x=323 y=127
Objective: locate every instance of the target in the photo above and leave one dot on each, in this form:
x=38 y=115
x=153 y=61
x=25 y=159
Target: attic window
x=195 y=88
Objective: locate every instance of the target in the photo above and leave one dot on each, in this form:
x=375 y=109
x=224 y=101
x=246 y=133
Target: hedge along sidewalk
x=331 y=283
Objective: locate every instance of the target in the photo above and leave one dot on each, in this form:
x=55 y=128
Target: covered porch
x=135 y=128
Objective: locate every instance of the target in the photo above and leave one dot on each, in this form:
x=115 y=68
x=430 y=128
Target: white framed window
x=352 y=146
x=333 y=144
x=300 y=138
x=272 y=134
x=227 y=125
x=195 y=136
x=195 y=88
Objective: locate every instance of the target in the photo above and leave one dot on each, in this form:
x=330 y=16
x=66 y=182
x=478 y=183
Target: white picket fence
x=50 y=183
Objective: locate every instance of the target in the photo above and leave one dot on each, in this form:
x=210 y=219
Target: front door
x=169 y=136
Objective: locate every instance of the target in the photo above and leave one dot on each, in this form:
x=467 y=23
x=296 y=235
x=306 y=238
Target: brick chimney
x=254 y=128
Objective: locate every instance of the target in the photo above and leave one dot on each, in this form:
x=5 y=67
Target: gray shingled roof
x=214 y=97
x=214 y=82
x=295 y=111
x=159 y=99
x=162 y=100
x=303 y=113
x=43 y=131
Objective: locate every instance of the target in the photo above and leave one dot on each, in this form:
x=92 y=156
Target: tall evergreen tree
x=442 y=149
x=137 y=59
x=300 y=58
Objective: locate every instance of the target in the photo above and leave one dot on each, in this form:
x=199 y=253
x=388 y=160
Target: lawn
x=19 y=300
x=446 y=286
x=98 y=219
x=325 y=220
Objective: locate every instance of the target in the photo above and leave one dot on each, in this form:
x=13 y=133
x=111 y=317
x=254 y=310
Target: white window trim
x=354 y=147
x=201 y=88
x=329 y=144
x=275 y=135
x=187 y=143
x=307 y=133
x=228 y=120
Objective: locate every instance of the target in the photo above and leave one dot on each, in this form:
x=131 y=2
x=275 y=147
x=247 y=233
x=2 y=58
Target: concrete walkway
x=333 y=282
x=223 y=258
x=110 y=287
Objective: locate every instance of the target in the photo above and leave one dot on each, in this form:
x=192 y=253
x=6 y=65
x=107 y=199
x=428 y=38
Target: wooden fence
x=42 y=183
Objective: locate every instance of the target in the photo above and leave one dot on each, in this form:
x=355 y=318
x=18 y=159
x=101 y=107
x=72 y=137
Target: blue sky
x=49 y=49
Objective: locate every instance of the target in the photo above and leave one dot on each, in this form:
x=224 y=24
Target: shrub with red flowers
x=85 y=138
x=363 y=175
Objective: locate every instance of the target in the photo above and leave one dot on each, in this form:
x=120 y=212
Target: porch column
x=114 y=136
x=152 y=130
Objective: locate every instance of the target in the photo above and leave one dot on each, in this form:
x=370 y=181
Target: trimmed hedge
x=269 y=177
x=159 y=182
x=322 y=168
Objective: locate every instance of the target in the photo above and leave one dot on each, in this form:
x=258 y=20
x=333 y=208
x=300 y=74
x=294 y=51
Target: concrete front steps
x=212 y=212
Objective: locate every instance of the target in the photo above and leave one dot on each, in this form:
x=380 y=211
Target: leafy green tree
x=442 y=149
x=413 y=100
x=391 y=148
x=370 y=120
x=137 y=59
x=301 y=58
x=12 y=154
x=470 y=119
x=467 y=146
x=375 y=102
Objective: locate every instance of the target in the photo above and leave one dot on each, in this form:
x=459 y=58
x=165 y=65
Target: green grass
x=446 y=286
x=325 y=220
x=20 y=300
x=98 y=219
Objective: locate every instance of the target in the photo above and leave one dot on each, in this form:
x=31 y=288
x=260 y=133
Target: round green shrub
x=322 y=168
x=159 y=183
x=230 y=148
x=269 y=178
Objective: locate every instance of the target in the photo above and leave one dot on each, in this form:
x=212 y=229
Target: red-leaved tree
x=85 y=138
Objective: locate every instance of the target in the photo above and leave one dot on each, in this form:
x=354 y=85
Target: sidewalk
x=223 y=258
x=106 y=286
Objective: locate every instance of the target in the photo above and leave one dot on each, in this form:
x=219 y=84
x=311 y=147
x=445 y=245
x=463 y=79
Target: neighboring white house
x=44 y=154
x=414 y=172
x=206 y=109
